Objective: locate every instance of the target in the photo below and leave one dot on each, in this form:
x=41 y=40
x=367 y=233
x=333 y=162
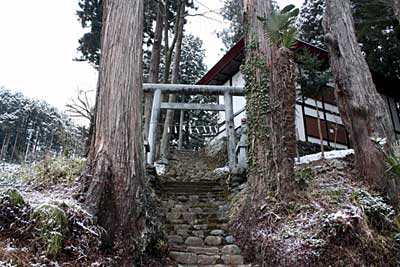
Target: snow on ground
x=334 y=154
x=7 y=170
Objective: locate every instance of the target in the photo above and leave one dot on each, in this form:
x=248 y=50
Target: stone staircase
x=197 y=224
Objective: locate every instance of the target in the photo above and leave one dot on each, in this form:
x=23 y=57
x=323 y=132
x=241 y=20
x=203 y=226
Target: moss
x=303 y=177
x=256 y=75
x=14 y=197
x=51 y=222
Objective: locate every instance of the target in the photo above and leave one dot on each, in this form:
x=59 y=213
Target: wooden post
x=230 y=128
x=180 y=141
x=155 y=114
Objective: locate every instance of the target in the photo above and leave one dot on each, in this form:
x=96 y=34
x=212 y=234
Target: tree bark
x=169 y=50
x=115 y=164
x=154 y=66
x=283 y=128
x=270 y=95
x=169 y=118
x=257 y=100
x=362 y=109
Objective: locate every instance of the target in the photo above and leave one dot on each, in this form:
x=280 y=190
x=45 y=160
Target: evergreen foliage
x=30 y=129
x=310 y=22
x=377 y=29
x=90 y=15
x=313 y=74
x=232 y=13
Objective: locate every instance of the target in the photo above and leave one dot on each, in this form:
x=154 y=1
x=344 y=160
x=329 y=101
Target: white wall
x=239 y=102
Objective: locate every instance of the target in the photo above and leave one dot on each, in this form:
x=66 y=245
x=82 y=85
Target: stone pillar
x=230 y=129
x=155 y=114
x=241 y=149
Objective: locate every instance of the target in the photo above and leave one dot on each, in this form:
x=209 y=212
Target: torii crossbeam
x=226 y=91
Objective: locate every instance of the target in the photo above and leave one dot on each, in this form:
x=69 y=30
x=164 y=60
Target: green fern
x=280 y=28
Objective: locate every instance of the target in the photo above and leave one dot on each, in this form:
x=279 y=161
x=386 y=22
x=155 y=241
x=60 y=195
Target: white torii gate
x=227 y=91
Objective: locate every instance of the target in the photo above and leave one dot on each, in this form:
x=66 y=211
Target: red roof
x=225 y=68
x=230 y=63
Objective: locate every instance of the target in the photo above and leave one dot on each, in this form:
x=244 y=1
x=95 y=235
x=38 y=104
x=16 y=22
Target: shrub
x=378 y=212
x=51 y=222
x=13 y=197
x=52 y=171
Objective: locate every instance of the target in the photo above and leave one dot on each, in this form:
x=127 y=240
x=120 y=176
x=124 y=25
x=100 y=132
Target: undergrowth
x=334 y=221
x=51 y=171
x=46 y=234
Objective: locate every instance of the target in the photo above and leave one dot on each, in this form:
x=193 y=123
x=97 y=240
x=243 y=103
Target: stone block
x=175 y=239
x=183 y=257
x=194 y=241
x=231 y=250
x=233 y=259
x=217 y=232
x=207 y=259
x=213 y=240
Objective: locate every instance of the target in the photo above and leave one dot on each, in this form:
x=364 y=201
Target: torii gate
x=227 y=91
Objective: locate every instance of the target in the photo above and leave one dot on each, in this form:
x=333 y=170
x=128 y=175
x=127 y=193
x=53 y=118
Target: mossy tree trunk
x=362 y=109
x=115 y=165
x=270 y=97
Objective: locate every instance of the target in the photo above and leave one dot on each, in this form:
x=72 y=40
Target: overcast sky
x=39 y=40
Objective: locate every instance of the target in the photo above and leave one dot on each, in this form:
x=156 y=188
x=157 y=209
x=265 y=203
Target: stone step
x=188 y=208
x=206 y=260
x=193 y=190
x=194 y=202
x=215 y=204
x=209 y=222
x=216 y=265
x=193 y=195
x=195 y=227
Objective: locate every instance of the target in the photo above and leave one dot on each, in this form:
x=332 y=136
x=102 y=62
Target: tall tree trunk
x=3 y=147
x=154 y=66
x=256 y=73
x=14 y=147
x=169 y=50
x=270 y=107
x=169 y=118
x=362 y=109
x=283 y=126
x=115 y=163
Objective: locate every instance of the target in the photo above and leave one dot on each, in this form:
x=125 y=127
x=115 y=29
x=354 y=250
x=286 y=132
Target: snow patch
x=161 y=168
x=334 y=154
x=221 y=170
